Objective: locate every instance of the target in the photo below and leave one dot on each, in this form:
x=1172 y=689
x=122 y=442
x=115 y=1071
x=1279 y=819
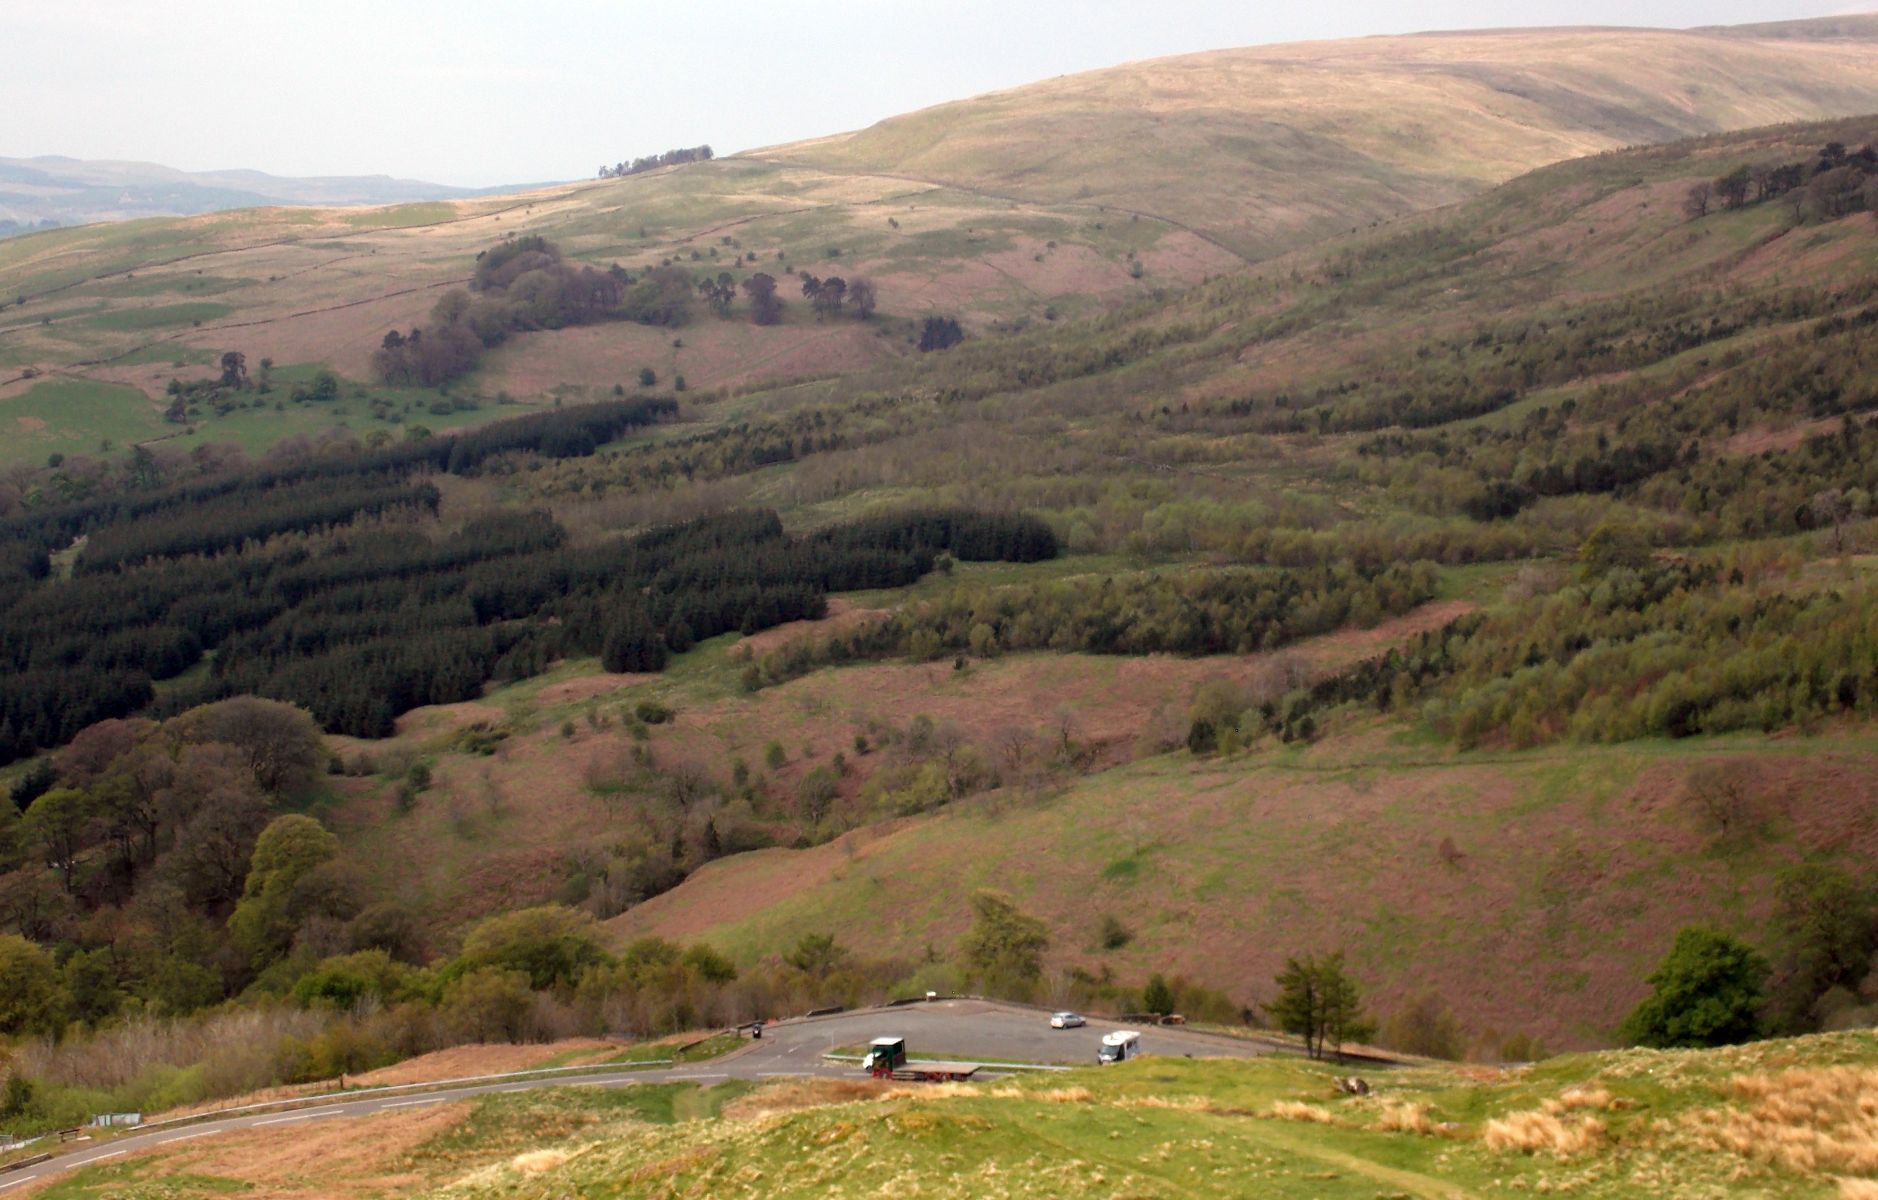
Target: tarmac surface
x=958 y=1030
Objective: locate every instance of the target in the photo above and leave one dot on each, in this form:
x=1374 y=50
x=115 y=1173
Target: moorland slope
x=1268 y=147
x=1053 y=201
x=1512 y=559
x=1234 y=474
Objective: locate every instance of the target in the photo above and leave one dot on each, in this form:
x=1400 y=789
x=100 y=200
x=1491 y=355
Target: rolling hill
x=1488 y=388
x=1488 y=593
x=1269 y=147
x=1049 y=202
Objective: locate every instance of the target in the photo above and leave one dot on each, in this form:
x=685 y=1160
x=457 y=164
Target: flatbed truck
x=886 y=1059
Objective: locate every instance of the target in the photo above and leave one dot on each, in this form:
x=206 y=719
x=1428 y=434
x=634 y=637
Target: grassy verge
x=1774 y=1119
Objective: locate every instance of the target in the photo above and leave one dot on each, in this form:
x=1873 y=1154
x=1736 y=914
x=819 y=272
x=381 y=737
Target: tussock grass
x=1297 y=1110
x=1537 y=1131
x=1068 y=1095
x=795 y=1094
x=1407 y=1117
x=1574 y=1099
x=536 y=1161
x=1810 y=1120
x=1171 y=1103
x=928 y=1091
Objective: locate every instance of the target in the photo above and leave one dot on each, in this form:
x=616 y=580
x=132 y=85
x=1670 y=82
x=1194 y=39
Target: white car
x=1066 y=1020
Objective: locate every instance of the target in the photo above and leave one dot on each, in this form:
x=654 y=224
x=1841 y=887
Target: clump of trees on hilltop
x=525 y=284
x=829 y=297
x=1835 y=183
x=652 y=162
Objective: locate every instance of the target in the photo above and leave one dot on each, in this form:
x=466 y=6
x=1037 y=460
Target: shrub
x=652 y=712
x=1708 y=992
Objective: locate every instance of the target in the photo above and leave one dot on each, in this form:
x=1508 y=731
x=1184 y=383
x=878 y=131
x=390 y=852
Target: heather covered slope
x=1269 y=147
x=1610 y=459
x=1531 y=892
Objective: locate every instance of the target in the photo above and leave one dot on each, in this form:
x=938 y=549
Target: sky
x=484 y=92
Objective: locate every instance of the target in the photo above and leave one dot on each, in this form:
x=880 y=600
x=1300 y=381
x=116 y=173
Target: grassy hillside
x=1026 y=207
x=1489 y=594
x=1219 y=844
x=1565 y=870
x=136 y=305
x=1267 y=147
x=1778 y=1119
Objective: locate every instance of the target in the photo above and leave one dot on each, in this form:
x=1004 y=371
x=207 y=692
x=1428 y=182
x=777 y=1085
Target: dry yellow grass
x=1297 y=1110
x=1172 y=1103
x=1811 y=1120
x=537 y=1161
x=930 y=1091
x=323 y=1160
x=1858 y=1189
x=1576 y=1099
x=1406 y=1117
x=1308 y=131
x=1537 y=1131
x=1069 y=1095
x=792 y=1095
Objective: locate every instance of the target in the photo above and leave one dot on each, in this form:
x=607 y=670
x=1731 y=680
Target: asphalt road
x=953 y=1029
x=974 y=1029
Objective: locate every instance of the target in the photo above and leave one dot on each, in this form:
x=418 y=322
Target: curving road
x=953 y=1029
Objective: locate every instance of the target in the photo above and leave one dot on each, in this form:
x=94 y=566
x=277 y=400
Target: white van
x=1119 y=1046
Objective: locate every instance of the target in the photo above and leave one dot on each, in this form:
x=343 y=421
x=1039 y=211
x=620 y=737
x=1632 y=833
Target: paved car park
x=968 y=1030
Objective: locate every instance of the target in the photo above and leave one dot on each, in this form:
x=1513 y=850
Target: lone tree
x=1157 y=997
x=1707 y=993
x=817 y=955
x=1832 y=507
x=1724 y=797
x=1695 y=203
x=234 y=369
x=1004 y=947
x=765 y=304
x=1319 y=1003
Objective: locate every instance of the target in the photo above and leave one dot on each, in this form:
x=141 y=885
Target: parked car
x=1066 y=1020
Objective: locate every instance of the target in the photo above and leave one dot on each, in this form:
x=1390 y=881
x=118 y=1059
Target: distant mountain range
x=54 y=190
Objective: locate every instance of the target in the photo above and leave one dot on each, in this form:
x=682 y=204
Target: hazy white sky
x=479 y=92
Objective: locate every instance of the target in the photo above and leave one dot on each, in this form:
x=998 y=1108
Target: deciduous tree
x=1004 y=946
x=1707 y=992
